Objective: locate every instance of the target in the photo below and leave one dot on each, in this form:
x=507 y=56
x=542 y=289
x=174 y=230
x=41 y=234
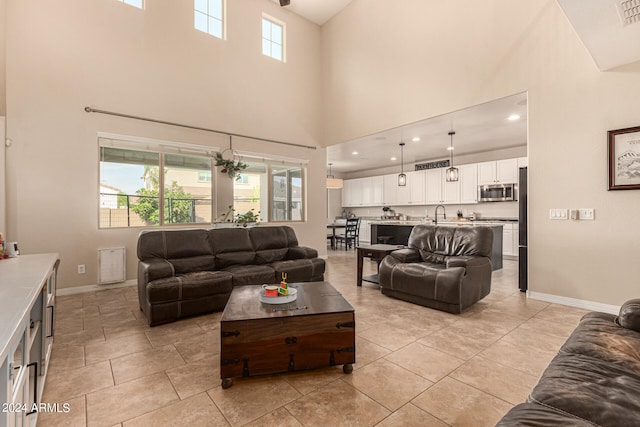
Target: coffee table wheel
x=347 y=368
x=226 y=383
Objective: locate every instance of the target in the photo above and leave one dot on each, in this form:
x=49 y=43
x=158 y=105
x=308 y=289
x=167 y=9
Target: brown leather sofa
x=187 y=272
x=594 y=380
x=444 y=267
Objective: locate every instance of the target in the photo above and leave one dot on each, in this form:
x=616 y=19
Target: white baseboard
x=573 y=302
x=94 y=288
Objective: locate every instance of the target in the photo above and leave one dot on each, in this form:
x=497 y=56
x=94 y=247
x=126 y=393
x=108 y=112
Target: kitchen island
x=399 y=232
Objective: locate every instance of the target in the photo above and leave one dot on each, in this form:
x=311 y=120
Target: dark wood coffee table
x=314 y=331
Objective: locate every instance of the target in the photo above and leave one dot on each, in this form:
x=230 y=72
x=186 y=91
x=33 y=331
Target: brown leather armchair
x=443 y=267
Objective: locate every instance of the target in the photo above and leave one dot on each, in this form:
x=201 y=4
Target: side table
x=375 y=252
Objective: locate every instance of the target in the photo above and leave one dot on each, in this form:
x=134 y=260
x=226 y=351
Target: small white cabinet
x=362 y=192
x=365 y=231
x=498 y=172
x=439 y=190
x=468 y=183
x=27 y=299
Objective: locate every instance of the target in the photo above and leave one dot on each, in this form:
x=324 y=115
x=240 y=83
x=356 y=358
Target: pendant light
x=333 y=183
x=451 y=173
x=402 y=178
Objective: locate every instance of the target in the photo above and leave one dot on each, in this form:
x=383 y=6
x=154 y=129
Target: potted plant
x=244 y=219
x=229 y=166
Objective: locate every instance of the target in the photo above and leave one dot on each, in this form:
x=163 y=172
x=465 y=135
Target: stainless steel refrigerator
x=522 y=230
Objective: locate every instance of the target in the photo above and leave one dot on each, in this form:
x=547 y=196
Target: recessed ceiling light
x=416 y=139
x=355 y=153
x=513 y=117
x=394 y=159
x=449 y=148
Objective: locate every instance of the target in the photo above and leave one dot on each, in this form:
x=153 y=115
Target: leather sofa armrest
x=629 y=316
x=151 y=270
x=466 y=261
x=301 y=252
x=406 y=255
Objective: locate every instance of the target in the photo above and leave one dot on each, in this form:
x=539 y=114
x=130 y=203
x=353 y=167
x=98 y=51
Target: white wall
x=67 y=54
x=3 y=87
x=386 y=66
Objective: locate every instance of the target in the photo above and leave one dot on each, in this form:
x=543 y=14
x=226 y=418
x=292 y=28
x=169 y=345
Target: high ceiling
x=484 y=127
x=609 y=29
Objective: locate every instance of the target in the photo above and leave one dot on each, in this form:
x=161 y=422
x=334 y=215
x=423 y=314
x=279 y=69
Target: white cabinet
x=413 y=192
x=27 y=294
x=362 y=192
x=365 y=231
x=390 y=189
x=410 y=194
x=439 y=190
x=498 y=172
x=507 y=240
x=523 y=162
x=468 y=183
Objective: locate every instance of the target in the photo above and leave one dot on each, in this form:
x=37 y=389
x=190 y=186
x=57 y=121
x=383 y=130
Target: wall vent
x=629 y=11
x=111 y=265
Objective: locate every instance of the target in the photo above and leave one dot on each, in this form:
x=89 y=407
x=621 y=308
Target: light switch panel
x=588 y=214
x=558 y=214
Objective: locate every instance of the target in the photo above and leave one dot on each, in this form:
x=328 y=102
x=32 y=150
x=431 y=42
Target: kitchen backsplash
x=486 y=210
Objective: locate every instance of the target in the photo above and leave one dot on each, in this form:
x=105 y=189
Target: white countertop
x=21 y=280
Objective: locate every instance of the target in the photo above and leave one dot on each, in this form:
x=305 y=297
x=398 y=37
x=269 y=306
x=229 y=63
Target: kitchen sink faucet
x=444 y=214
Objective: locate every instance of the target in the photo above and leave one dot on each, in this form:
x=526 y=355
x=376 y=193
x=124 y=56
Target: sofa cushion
x=426 y=280
x=193 y=264
x=252 y=274
x=299 y=270
x=188 y=286
x=592 y=389
x=173 y=244
x=232 y=246
x=533 y=414
x=599 y=337
x=435 y=243
x=629 y=316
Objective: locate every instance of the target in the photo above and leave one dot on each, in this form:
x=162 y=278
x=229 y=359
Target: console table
x=27 y=298
x=375 y=252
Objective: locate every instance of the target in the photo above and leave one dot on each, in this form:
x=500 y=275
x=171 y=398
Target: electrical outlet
x=588 y=214
x=81 y=269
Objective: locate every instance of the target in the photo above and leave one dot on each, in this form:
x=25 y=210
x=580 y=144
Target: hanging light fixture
x=451 y=172
x=333 y=182
x=402 y=178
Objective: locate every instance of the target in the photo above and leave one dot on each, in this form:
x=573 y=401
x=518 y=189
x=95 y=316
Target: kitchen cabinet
x=410 y=194
x=365 y=231
x=390 y=189
x=498 y=172
x=507 y=240
x=468 y=175
x=439 y=190
x=27 y=300
x=362 y=192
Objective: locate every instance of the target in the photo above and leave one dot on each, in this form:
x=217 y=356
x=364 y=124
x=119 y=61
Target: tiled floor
x=415 y=366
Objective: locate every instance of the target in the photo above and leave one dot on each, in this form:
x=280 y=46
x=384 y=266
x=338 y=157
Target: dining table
x=333 y=227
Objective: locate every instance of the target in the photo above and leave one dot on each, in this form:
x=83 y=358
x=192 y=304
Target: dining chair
x=351 y=234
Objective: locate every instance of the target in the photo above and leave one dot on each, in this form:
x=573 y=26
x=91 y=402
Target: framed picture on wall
x=624 y=159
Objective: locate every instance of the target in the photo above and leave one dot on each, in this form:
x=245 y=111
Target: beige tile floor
x=415 y=366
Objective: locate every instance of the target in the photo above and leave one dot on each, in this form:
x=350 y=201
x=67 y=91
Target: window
x=275 y=190
x=286 y=201
x=273 y=39
x=204 y=176
x=208 y=17
x=135 y=193
x=137 y=3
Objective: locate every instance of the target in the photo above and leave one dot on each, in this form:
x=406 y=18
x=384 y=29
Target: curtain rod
x=146 y=119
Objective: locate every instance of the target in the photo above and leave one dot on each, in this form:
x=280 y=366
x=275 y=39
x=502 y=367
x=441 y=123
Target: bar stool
x=384 y=239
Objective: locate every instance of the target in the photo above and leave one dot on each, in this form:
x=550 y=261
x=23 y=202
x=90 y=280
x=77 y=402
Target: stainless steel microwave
x=497 y=193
